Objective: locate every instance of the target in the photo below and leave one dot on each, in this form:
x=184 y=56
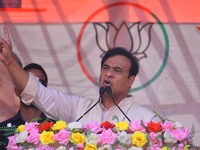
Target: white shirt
x=69 y=108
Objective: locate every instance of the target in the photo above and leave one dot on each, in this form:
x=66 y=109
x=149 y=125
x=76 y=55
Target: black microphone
x=101 y=93
x=109 y=91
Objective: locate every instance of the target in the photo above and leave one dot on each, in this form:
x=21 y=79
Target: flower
x=59 y=125
x=92 y=139
x=20 y=128
x=124 y=138
x=107 y=125
x=107 y=137
x=46 y=137
x=45 y=126
x=21 y=137
x=154 y=127
x=90 y=147
x=136 y=135
x=74 y=125
x=122 y=126
x=62 y=137
x=77 y=138
x=139 y=139
x=94 y=127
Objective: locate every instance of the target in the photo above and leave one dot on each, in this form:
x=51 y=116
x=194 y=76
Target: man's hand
x=6 y=55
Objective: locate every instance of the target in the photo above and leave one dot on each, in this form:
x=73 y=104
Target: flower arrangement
x=137 y=135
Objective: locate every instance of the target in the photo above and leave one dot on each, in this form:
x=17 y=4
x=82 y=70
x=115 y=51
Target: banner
x=69 y=38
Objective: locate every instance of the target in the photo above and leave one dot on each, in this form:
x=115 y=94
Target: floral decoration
x=137 y=135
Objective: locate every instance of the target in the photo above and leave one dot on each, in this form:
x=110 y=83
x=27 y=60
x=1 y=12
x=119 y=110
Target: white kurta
x=69 y=108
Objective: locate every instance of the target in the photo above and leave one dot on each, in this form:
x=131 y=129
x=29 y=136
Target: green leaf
x=115 y=117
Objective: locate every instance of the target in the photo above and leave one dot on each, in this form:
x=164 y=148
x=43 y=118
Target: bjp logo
x=148 y=42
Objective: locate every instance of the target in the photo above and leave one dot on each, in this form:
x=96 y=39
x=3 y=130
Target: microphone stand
x=109 y=91
x=101 y=92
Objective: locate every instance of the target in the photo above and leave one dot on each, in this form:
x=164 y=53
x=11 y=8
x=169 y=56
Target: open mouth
x=107 y=83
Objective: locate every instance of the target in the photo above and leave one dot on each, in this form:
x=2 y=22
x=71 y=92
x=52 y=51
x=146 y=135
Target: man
x=26 y=113
x=118 y=71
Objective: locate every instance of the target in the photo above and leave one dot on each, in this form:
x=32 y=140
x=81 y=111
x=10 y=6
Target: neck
x=29 y=113
x=107 y=100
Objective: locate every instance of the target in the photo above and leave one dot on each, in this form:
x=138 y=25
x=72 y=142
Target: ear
x=131 y=80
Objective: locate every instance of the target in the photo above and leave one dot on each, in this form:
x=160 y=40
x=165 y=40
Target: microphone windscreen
x=108 y=90
x=102 y=91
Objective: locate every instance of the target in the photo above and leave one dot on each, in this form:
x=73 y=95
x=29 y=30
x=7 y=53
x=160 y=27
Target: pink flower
x=181 y=134
x=33 y=138
x=154 y=140
x=167 y=125
x=136 y=126
x=94 y=127
x=31 y=127
x=62 y=137
x=12 y=145
x=78 y=147
x=44 y=147
x=107 y=137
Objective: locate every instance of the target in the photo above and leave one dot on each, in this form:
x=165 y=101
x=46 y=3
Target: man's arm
x=19 y=76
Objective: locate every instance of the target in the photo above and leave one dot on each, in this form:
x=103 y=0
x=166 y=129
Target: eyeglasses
x=43 y=82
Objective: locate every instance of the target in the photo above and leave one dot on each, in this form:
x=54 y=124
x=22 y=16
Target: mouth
x=107 y=83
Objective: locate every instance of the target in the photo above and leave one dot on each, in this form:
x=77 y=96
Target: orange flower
x=154 y=127
x=107 y=125
x=45 y=126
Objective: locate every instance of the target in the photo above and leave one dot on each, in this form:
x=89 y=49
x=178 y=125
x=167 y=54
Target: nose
x=110 y=73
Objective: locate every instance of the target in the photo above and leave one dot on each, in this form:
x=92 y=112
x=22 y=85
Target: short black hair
x=39 y=67
x=123 y=52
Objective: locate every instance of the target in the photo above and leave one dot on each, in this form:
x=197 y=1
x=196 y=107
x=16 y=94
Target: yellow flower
x=122 y=126
x=46 y=137
x=59 y=125
x=20 y=128
x=90 y=147
x=166 y=148
x=77 y=138
x=139 y=139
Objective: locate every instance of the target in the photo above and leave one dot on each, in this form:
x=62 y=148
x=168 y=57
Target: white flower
x=169 y=138
x=92 y=139
x=61 y=148
x=21 y=137
x=124 y=138
x=135 y=148
x=178 y=125
x=74 y=125
x=105 y=147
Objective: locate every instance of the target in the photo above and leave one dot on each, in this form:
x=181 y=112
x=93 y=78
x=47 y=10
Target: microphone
x=101 y=93
x=109 y=91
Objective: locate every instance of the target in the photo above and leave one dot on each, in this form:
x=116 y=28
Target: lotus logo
x=134 y=34
x=138 y=38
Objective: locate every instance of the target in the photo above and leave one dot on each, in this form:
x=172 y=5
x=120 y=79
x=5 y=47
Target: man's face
x=114 y=73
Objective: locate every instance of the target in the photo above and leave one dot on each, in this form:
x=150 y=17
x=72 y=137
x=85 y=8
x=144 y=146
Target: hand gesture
x=6 y=55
